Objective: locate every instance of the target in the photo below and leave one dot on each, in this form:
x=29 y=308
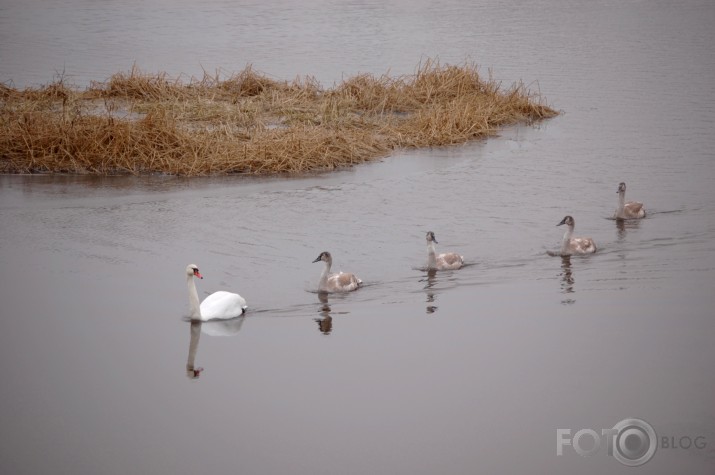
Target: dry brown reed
x=140 y=123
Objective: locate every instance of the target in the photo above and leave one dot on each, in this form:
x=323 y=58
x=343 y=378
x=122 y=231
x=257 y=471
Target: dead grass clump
x=248 y=123
x=434 y=83
x=297 y=150
x=6 y=91
x=137 y=85
x=377 y=95
x=248 y=83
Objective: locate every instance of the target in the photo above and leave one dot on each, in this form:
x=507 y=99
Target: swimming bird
x=572 y=245
x=219 y=304
x=340 y=282
x=632 y=209
x=445 y=261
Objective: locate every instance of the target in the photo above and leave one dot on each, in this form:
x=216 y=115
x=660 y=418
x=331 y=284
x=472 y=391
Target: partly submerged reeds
x=249 y=123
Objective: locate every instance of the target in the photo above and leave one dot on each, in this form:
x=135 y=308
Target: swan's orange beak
x=198 y=274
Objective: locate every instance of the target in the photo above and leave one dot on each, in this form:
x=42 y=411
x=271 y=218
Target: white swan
x=340 y=282
x=446 y=261
x=572 y=245
x=632 y=209
x=219 y=304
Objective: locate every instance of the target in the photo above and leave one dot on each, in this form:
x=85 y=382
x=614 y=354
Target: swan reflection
x=431 y=280
x=567 y=279
x=624 y=225
x=211 y=328
x=325 y=323
x=192 y=372
x=223 y=327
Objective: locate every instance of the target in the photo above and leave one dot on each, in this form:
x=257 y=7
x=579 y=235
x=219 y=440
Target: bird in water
x=219 y=304
x=575 y=245
x=331 y=282
x=629 y=210
x=445 y=261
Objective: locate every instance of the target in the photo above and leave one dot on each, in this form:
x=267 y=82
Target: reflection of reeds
x=248 y=123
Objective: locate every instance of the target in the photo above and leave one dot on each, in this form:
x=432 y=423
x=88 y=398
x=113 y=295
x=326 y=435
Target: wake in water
x=426 y=268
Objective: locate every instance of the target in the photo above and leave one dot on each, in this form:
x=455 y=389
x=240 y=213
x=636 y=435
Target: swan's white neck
x=322 y=283
x=431 y=255
x=193 y=298
x=567 y=239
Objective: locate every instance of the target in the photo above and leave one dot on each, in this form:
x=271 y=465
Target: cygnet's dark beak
x=317 y=259
x=563 y=221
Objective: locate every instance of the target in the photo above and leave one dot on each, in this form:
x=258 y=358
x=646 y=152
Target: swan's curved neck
x=567 y=239
x=324 y=276
x=431 y=255
x=193 y=297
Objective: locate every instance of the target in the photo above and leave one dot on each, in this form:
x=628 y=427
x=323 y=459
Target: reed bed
x=248 y=123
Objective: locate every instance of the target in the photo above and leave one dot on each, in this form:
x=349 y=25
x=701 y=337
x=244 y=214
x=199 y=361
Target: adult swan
x=219 y=304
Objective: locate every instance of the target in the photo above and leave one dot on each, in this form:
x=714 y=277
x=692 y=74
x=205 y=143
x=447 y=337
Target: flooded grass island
x=139 y=123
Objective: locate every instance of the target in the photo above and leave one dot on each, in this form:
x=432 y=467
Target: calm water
x=458 y=373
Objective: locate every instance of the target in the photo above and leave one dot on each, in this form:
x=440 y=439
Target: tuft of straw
x=249 y=123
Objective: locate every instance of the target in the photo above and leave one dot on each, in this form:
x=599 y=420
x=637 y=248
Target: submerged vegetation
x=248 y=123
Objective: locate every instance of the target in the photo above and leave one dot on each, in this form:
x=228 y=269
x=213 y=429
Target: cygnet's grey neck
x=326 y=272
x=431 y=255
x=621 y=204
x=567 y=238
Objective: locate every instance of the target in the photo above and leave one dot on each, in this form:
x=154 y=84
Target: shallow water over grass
x=470 y=371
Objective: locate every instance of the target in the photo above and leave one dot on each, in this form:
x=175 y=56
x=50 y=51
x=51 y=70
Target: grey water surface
x=458 y=372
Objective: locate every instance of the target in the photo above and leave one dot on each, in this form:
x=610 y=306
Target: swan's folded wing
x=342 y=282
x=222 y=304
x=451 y=259
x=634 y=208
x=346 y=279
x=583 y=245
